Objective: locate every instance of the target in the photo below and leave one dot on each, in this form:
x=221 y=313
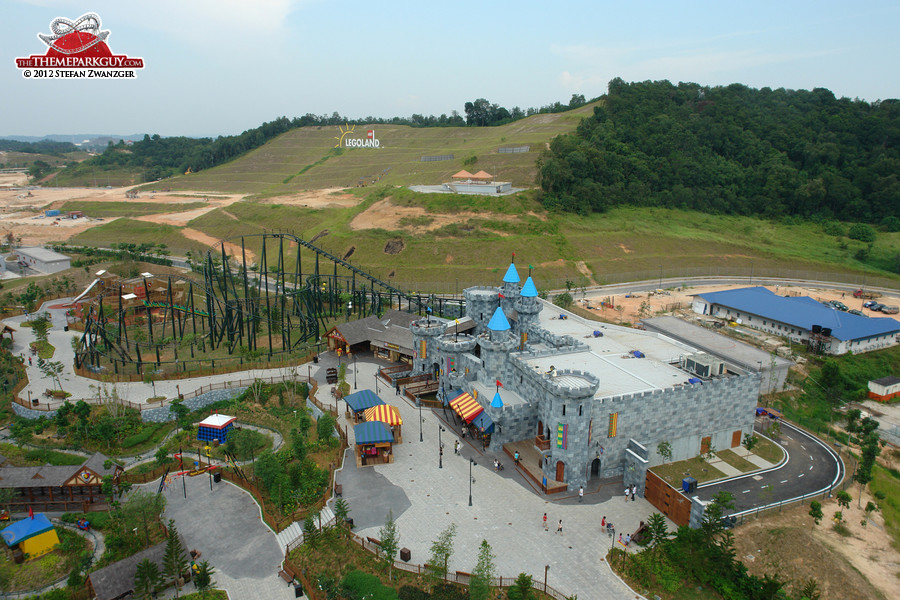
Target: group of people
x=558 y=525
x=630 y=491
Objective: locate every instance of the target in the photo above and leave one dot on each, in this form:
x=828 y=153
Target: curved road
x=811 y=468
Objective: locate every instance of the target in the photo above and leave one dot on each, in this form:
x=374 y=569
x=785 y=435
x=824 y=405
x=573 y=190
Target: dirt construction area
x=631 y=308
x=22 y=209
x=861 y=564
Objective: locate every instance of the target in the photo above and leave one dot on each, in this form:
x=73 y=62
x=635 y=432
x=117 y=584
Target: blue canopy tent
x=483 y=423
x=374 y=441
x=359 y=401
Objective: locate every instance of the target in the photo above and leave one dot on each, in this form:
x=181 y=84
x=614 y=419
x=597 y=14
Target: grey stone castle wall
x=481 y=302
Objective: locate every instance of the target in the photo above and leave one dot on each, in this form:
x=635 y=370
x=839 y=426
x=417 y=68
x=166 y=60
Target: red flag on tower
x=499 y=384
x=30 y=512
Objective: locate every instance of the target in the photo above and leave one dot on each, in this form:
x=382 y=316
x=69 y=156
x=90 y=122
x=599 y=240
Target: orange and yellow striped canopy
x=466 y=407
x=384 y=413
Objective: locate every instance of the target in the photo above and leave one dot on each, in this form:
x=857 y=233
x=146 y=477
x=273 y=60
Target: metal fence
x=513 y=149
x=437 y=158
x=669 y=276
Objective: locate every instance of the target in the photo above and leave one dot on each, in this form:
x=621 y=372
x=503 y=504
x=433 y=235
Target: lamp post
x=440 y=448
x=660 y=276
x=354 y=371
x=419 y=402
x=471 y=462
x=546 y=568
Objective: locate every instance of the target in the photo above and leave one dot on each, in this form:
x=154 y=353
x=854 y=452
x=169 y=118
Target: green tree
x=843 y=499
x=521 y=589
x=203 y=579
x=810 y=590
x=657 y=531
x=52 y=370
x=664 y=449
x=441 y=551
x=390 y=541
x=750 y=442
x=146 y=578
x=311 y=533
x=563 y=300
x=862 y=232
x=483 y=574
x=815 y=511
x=325 y=429
x=174 y=560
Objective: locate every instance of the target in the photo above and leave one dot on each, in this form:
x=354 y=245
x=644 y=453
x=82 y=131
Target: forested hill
x=732 y=150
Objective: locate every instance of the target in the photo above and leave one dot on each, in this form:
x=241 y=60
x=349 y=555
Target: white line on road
x=745 y=491
x=801 y=474
x=785 y=481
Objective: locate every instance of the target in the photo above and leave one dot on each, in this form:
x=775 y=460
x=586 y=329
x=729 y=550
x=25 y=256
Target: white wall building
x=43 y=259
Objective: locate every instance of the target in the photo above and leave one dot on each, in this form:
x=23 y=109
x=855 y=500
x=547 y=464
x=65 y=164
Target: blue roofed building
x=801 y=319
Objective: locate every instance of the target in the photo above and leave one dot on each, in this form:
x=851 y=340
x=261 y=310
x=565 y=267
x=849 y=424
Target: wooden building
x=66 y=489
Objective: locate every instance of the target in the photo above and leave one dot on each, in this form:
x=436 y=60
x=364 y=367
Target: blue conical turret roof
x=512 y=276
x=497 y=402
x=529 y=290
x=498 y=322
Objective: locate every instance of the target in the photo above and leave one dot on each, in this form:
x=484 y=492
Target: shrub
x=357 y=585
x=861 y=232
x=139 y=438
x=408 y=592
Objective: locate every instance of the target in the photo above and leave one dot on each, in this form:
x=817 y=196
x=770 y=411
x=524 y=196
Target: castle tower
x=481 y=302
x=425 y=335
x=452 y=347
x=510 y=291
x=527 y=307
x=496 y=343
x=566 y=417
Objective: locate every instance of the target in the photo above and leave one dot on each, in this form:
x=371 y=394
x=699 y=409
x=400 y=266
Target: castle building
x=595 y=399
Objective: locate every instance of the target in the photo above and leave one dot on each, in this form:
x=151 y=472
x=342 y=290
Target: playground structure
x=231 y=311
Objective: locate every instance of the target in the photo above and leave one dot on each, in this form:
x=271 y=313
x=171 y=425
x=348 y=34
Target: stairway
x=294 y=532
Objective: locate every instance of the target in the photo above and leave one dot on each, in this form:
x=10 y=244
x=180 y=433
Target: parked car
x=869 y=304
x=876 y=306
x=840 y=305
x=856 y=312
x=890 y=310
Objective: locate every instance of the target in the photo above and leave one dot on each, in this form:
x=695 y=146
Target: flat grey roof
x=729 y=349
x=610 y=357
x=42 y=254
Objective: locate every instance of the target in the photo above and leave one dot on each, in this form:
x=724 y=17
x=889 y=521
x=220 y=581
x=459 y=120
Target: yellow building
x=35 y=536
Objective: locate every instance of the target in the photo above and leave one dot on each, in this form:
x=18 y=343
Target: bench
x=374 y=541
x=286 y=576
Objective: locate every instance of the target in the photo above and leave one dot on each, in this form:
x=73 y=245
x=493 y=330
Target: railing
x=458 y=577
x=542 y=443
x=53 y=405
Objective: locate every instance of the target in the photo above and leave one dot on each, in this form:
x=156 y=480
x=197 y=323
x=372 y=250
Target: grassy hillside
x=472 y=239
x=130 y=209
x=306 y=158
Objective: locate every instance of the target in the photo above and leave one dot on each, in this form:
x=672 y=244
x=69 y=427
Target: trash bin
x=65 y=327
x=405 y=554
x=316 y=358
x=350 y=522
x=217 y=477
x=298 y=591
x=689 y=485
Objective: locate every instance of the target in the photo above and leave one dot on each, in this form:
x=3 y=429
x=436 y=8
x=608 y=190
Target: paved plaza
x=225 y=525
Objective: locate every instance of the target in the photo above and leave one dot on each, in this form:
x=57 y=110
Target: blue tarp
x=372 y=432
x=694 y=380
x=637 y=353
x=483 y=423
x=26 y=528
x=362 y=400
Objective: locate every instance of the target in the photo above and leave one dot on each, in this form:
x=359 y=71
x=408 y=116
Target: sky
x=219 y=67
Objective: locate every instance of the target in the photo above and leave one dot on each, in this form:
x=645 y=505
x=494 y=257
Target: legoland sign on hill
x=344 y=141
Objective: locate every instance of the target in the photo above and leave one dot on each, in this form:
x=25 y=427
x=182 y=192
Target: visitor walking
x=603 y=522
x=581 y=493
x=559 y=527
x=545 y=521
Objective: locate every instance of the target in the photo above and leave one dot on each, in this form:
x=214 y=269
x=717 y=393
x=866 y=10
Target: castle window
x=564 y=410
x=580 y=409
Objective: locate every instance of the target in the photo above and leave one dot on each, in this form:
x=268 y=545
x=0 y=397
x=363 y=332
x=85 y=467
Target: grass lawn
x=43 y=570
x=24 y=457
x=45 y=349
x=887 y=482
x=210 y=595
x=700 y=470
x=127 y=209
x=741 y=464
x=767 y=450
